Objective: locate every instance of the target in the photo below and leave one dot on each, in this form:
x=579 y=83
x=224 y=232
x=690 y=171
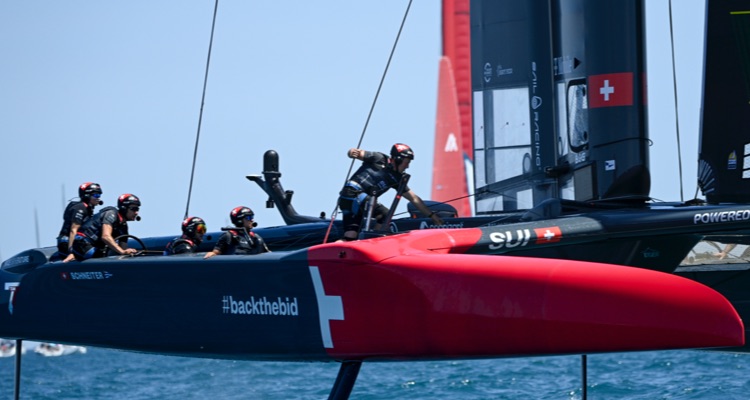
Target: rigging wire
x=676 y=108
x=200 y=114
x=369 y=115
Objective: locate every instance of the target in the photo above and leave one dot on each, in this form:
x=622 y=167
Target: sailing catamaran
x=560 y=154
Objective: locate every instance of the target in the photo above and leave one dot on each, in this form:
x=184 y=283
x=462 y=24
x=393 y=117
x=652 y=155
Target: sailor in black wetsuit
x=101 y=230
x=76 y=213
x=377 y=174
x=240 y=239
x=193 y=229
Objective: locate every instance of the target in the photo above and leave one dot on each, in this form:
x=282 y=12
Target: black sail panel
x=513 y=105
x=559 y=111
x=613 y=152
x=724 y=160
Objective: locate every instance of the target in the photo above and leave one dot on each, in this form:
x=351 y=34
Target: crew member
x=100 y=231
x=193 y=229
x=76 y=213
x=375 y=176
x=240 y=239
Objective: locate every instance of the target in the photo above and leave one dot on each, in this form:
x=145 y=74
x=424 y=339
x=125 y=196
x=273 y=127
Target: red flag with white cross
x=611 y=90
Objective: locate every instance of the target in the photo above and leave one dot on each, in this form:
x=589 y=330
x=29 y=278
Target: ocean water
x=110 y=374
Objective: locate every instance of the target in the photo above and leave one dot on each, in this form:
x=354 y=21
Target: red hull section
x=401 y=302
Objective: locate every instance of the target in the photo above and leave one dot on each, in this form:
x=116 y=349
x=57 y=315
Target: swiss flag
x=610 y=90
x=548 y=235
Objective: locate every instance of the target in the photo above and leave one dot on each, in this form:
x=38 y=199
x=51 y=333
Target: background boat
x=57 y=350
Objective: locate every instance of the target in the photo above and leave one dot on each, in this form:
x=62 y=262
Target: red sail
x=457 y=47
x=449 y=177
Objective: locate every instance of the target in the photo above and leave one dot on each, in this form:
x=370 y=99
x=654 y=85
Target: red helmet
x=88 y=189
x=193 y=225
x=126 y=200
x=240 y=213
x=400 y=152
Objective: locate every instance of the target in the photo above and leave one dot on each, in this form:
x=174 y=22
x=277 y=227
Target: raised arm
x=359 y=154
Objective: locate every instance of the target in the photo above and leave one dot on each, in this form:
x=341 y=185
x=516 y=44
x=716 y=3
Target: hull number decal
x=522 y=237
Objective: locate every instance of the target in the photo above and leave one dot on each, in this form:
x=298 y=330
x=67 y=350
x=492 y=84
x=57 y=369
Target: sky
x=110 y=92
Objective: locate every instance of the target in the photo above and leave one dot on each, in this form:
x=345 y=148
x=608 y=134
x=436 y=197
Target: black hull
x=149 y=303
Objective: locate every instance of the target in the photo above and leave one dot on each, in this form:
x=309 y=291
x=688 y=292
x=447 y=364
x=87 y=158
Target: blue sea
x=110 y=374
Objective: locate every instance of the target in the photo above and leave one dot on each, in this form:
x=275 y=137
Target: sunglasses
x=200 y=229
x=96 y=195
x=250 y=217
x=134 y=208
